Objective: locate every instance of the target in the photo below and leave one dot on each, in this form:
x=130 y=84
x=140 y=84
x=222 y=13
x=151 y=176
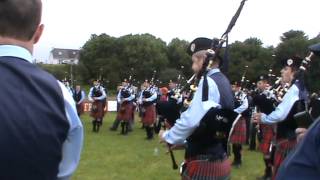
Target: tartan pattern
x=239 y=134
x=149 y=117
x=99 y=113
x=283 y=148
x=200 y=169
x=126 y=111
x=267 y=136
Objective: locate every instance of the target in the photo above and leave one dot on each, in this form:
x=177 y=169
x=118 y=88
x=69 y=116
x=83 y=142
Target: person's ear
x=38 y=34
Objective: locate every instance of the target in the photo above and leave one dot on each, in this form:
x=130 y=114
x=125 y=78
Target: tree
x=142 y=53
x=178 y=57
x=249 y=53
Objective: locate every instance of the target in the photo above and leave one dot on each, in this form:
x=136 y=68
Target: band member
x=264 y=102
x=199 y=129
x=41 y=133
x=251 y=127
x=303 y=163
x=172 y=94
x=164 y=94
x=292 y=103
x=160 y=119
x=79 y=96
x=126 y=112
x=117 y=122
x=238 y=137
x=97 y=96
x=147 y=99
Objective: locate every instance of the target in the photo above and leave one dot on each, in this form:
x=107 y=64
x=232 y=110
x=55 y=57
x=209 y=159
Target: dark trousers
x=253 y=135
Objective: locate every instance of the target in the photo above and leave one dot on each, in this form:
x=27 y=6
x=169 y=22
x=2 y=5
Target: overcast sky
x=69 y=23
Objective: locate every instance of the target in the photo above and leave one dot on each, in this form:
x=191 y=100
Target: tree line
x=113 y=59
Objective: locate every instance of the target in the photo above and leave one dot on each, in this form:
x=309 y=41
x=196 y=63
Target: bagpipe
x=148 y=92
x=192 y=83
x=267 y=105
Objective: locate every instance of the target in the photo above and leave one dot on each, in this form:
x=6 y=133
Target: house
x=64 y=56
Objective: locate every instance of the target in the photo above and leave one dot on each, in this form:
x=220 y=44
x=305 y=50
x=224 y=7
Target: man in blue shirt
x=79 y=96
x=40 y=132
x=199 y=128
x=304 y=161
x=97 y=95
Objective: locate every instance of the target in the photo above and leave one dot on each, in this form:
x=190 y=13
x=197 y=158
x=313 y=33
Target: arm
x=152 y=98
x=72 y=147
x=119 y=97
x=90 y=94
x=283 y=109
x=191 y=118
x=103 y=96
x=244 y=106
x=83 y=95
x=130 y=98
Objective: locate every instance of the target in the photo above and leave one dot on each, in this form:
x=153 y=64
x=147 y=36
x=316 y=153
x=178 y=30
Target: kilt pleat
x=97 y=110
x=126 y=111
x=149 y=115
x=267 y=137
x=239 y=134
x=207 y=170
x=283 y=148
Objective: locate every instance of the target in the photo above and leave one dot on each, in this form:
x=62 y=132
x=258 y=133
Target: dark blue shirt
x=304 y=162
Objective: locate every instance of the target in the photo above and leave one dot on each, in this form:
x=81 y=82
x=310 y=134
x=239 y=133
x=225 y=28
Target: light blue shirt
x=130 y=98
x=190 y=119
x=244 y=104
x=283 y=109
x=73 y=145
x=150 y=99
x=103 y=92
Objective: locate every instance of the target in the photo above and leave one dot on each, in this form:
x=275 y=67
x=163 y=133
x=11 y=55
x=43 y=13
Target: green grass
x=110 y=156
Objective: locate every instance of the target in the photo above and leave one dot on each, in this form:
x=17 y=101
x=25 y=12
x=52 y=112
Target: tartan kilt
x=125 y=111
x=283 y=148
x=239 y=134
x=204 y=169
x=97 y=110
x=80 y=108
x=267 y=136
x=149 y=115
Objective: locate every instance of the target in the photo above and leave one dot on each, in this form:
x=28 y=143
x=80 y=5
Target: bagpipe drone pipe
x=219 y=120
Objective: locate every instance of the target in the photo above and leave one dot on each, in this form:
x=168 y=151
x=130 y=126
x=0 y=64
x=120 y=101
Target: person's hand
x=257 y=118
x=177 y=147
x=162 y=140
x=301 y=132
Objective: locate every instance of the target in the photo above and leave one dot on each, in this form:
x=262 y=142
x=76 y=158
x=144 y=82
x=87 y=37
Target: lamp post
x=70 y=62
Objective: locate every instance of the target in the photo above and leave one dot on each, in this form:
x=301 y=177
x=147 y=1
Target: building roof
x=65 y=54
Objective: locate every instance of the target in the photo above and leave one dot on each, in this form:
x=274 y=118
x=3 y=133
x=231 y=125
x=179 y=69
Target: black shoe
x=112 y=129
x=94 y=126
x=236 y=164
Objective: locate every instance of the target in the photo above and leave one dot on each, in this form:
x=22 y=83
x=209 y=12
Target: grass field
x=110 y=156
